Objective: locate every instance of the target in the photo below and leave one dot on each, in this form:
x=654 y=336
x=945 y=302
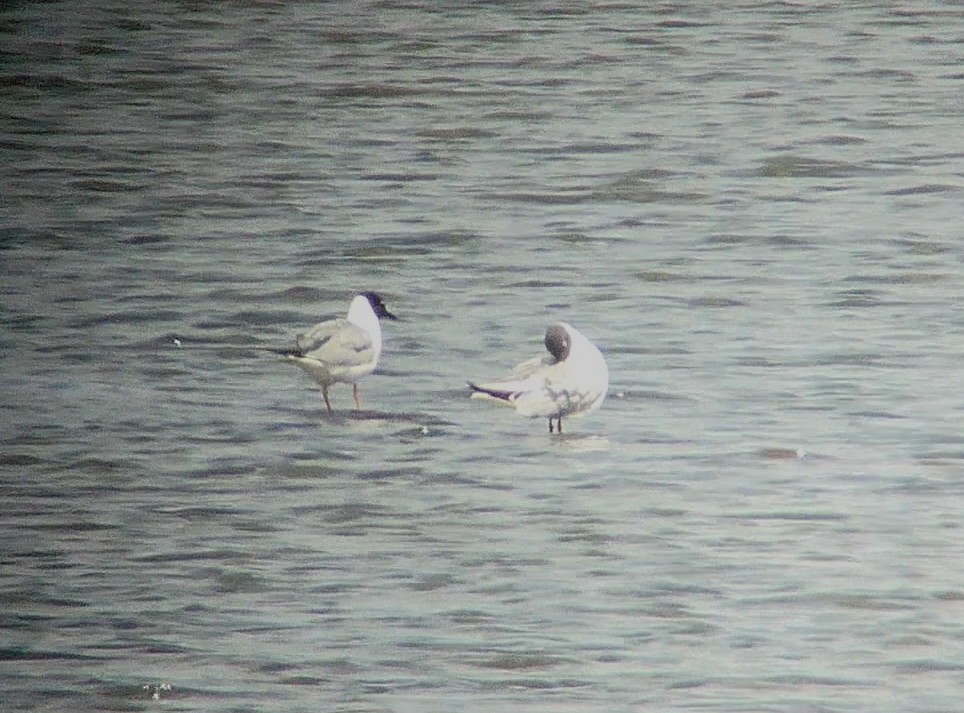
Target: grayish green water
x=754 y=210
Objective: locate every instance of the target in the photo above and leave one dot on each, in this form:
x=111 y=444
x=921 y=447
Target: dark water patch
x=851 y=359
x=715 y=302
x=344 y=513
x=451 y=479
x=309 y=467
x=124 y=318
x=897 y=75
x=538 y=284
x=790 y=516
x=303 y=680
x=362 y=91
x=663 y=276
x=256 y=526
x=227 y=467
x=898 y=278
x=666 y=610
x=151 y=298
x=46 y=82
x=788 y=241
x=518 y=115
x=570 y=236
x=680 y=588
x=473 y=617
x=761 y=362
x=20 y=460
x=858 y=298
x=276 y=667
x=912 y=641
x=918 y=666
x=215 y=554
x=870 y=603
x=433 y=582
x=205 y=514
x=760 y=94
x=586 y=536
x=678 y=23
x=925 y=189
x=76 y=526
x=730 y=239
x=380 y=417
x=564 y=197
x=824 y=599
x=164 y=648
x=103 y=185
x=645 y=186
x=458 y=133
x=950 y=596
x=780 y=453
x=792 y=166
x=211 y=340
x=654 y=42
x=808 y=681
x=17 y=237
x=945 y=458
x=532 y=684
x=389 y=473
x=24 y=654
x=919 y=485
x=885 y=415
x=399 y=177
x=405 y=246
x=838 y=140
x=258 y=318
x=859 y=601
x=519 y=661
x=330 y=588
x=166 y=374
x=596 y=148
x=16 y=598
x=920 y=245
x=687 y=684
x=236 y=582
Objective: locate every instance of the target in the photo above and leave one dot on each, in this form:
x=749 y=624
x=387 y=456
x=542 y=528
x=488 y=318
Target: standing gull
x=571 y=380
x=343 y=350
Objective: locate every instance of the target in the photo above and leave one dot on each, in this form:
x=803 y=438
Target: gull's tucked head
x=558 y=341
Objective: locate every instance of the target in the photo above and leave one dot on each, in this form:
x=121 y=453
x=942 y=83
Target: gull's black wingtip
x=501 y=395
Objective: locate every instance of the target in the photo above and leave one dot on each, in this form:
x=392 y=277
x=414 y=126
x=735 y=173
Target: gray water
x=755 y=210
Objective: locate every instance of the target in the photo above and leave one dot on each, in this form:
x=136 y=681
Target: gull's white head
x=364 y=312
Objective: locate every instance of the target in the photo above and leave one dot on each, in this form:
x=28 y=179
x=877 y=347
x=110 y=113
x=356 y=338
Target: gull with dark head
x=343 y=350
x=571 y=380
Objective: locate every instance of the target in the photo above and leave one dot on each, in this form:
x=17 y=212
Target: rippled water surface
x=754 y=210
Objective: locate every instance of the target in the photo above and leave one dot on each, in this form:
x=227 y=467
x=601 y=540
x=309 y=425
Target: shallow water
x=755 y=213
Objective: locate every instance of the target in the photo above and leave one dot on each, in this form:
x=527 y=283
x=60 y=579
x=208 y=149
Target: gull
x=571 y=380
x=343 y=350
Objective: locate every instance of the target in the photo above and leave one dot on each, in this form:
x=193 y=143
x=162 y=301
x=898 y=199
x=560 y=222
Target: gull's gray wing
x=337 y=342
x=529 y=367
x=517 y=379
